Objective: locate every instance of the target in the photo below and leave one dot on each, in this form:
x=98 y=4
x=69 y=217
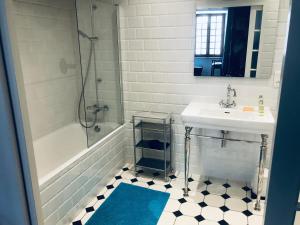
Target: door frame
x=18 y=128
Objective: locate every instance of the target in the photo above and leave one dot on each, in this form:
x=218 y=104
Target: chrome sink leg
x=262 y=161
x=187 y=152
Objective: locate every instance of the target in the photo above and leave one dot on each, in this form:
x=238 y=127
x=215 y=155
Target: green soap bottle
x=261 y=107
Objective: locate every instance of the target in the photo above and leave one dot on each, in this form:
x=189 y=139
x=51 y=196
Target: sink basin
x=212 y=116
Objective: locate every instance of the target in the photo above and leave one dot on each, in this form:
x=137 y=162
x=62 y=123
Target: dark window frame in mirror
x=234 y=56
x=208 y=37
x=256 y=43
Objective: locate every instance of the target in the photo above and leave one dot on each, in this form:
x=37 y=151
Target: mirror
x=228 y=41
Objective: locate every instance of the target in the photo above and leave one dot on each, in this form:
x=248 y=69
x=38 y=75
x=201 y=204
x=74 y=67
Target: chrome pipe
x=262 y=161
x=187 y=151
x=225 y=139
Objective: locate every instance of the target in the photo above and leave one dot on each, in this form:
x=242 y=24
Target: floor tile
x=90 y=205
x=166 y=218
x=172 y=205
x=197 y=177
x=214 y=200
x=78 y=222
x=255 y=220
x=128 y=175
x=86 y=218
x=223 y=222
x=80 y=215
x=200 y=186
x=196 y=186
x=186 y=220
x=141 y=184
x=182 y=200
x=195 y=197
x=98 y=204
x=212 y=213
x=247 y=213
x=175 y=193
x=190 y=209
x=158 y=187
x=256 y=212
x=202 y=204
x=177 y=183
x=108 y=192
x=217 y=189
x=199 y=218
x=145 y=177
x=236 y=204
x=236 y=192
x=179 y=174
x=235 y=218
x=161 y=181
x=224 y=208
x=177 y=213
x=211 y=201
x=208 y=222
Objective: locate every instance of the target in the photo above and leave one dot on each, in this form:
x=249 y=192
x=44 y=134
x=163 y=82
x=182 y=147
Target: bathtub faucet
x=96 y=108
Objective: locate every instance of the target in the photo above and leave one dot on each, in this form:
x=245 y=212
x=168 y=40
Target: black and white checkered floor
x=210 y=202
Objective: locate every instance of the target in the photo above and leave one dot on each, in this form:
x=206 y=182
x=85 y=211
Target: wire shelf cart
x=152 y=141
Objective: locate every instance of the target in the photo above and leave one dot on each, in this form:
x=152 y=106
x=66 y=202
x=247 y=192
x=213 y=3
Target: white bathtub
x=70 y=173
x=56 y=151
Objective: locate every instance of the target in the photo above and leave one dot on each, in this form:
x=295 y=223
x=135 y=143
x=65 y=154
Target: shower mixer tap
x=96 y=108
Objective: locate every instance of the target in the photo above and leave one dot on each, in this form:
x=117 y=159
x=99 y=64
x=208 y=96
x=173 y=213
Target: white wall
x=45 y=32
x=157 y=42
x=281 y=39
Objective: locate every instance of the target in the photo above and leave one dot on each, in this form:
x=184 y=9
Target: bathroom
x=85 y=77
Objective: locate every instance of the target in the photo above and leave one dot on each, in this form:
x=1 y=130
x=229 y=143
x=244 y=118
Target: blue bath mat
x=130 y=205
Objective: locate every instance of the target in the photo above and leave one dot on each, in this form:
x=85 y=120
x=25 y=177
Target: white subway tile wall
x=157 y=46
x=47 y=43
x=281 y=36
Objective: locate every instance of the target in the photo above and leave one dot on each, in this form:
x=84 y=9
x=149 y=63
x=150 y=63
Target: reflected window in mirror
x=210 y=33
x=227 y=41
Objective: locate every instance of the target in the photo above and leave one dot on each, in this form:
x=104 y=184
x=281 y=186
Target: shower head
x=86 y=36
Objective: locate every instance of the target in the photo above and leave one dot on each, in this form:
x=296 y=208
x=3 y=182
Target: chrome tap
x=96 y=108
x=229 y=102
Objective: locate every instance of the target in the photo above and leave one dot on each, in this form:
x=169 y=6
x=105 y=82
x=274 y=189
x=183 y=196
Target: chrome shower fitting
x=94 y=7
x=96 y=108
x=97 y=128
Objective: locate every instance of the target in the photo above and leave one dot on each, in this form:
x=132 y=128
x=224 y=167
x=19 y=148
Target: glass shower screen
x=99 y=107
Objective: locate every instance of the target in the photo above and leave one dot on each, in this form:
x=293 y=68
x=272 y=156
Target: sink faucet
x=229 y=102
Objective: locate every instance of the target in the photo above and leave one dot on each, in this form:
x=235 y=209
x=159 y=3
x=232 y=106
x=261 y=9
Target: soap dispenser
x=261 y=107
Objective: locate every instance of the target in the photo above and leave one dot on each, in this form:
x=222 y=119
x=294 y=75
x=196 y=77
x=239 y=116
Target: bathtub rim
x=52 y=176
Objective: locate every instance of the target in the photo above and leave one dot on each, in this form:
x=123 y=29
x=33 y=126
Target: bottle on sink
x=261 y=107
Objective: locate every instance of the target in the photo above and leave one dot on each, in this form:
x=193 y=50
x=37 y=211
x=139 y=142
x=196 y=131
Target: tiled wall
x=45 y=33
x=281 y=38
x=63 y=198
x=157 y=39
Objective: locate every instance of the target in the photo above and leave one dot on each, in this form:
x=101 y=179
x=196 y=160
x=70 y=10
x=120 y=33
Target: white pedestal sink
x=212 y=116
x=238 y=119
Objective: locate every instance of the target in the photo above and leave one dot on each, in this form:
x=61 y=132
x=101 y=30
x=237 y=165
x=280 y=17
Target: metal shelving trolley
x=152 y=141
